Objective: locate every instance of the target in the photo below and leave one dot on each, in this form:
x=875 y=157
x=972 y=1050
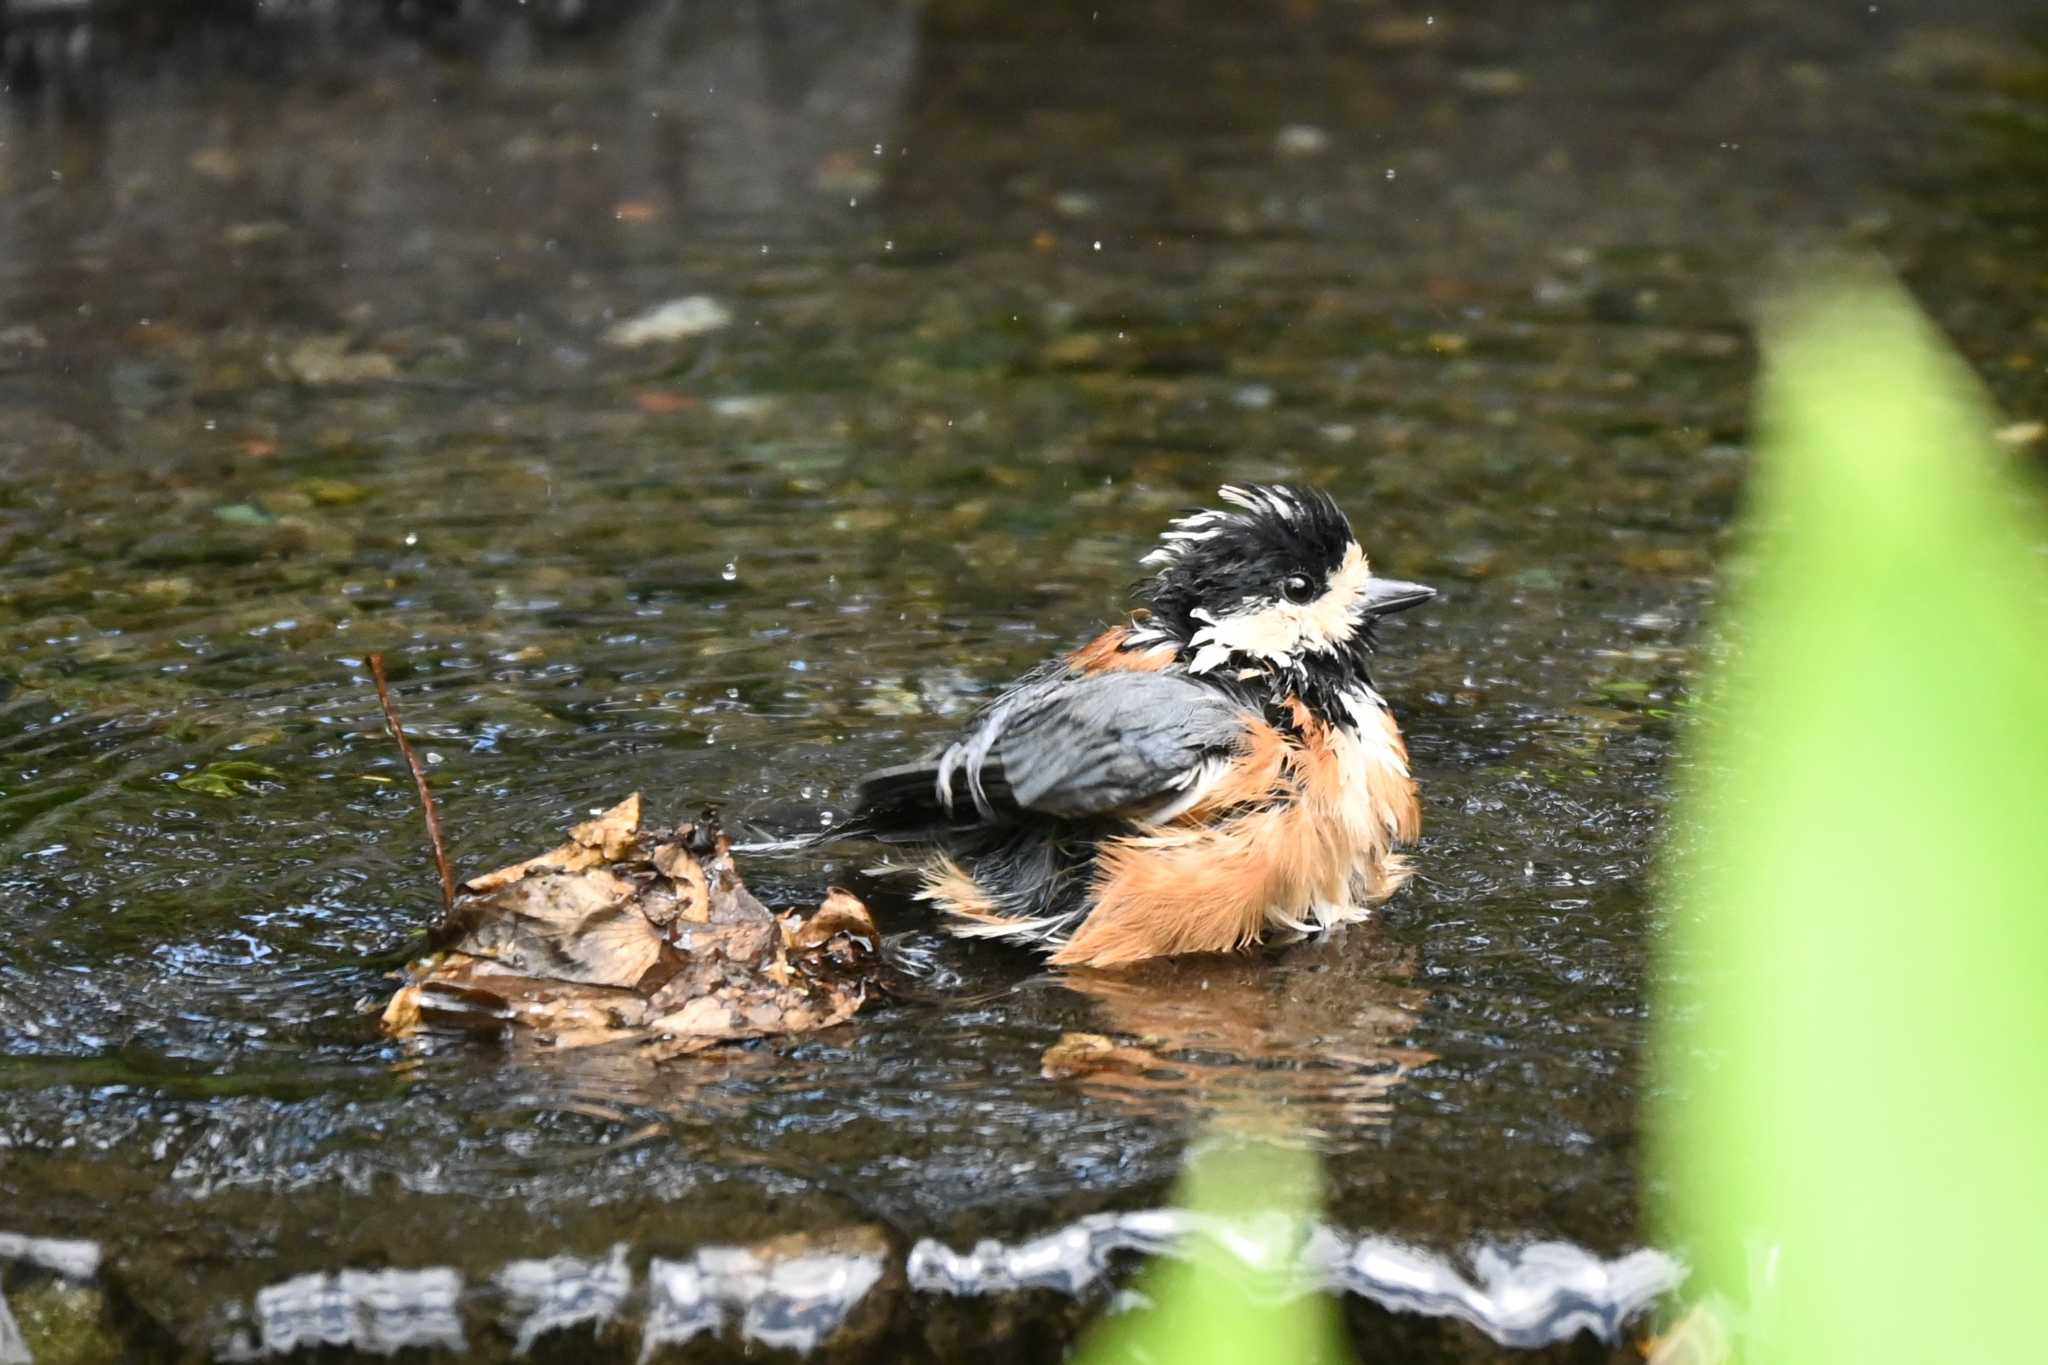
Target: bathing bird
x=1216 y=771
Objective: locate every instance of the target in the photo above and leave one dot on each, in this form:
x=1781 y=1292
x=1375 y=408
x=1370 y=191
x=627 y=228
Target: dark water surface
x=303 y=354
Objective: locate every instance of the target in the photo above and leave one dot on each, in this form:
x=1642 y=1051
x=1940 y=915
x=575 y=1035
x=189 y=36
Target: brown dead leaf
x=800 y=1007
x=472 y=994
x=402 y=1015
x=730 y=901
x=615 y=833
x=586 y=847
x=1698 y=1338
x=585 y=926
x=705 y=1017
x=1092 y=1054
x=658 y=905
x=605 y=939
x=692 y=892
x=841 y=912
x=567 y=858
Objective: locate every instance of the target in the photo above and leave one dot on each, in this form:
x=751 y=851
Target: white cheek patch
x=1264 y=632
x=1282 y=631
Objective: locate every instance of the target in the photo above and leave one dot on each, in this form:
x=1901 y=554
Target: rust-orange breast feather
x=1279 y=834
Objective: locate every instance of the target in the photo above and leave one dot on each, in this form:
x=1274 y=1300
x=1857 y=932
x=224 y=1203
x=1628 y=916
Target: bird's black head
x=1274 y=586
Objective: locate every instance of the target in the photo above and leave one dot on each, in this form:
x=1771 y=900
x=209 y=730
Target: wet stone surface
x=849 y=1293
x=716 y=406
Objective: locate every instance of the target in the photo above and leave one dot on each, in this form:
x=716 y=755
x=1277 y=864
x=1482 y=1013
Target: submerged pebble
x=676 y=320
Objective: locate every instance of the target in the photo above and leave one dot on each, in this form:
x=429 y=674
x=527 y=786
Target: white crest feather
x=1185 y=531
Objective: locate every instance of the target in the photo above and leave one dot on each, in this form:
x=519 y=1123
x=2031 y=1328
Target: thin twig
x=419 y=781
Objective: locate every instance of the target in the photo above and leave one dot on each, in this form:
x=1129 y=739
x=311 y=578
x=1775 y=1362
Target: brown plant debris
x=617 y=937
x=1077 y=1056
x=1698 y=1338
x=419 y=782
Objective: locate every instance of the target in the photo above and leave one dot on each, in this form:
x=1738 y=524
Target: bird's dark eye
x=1297 y=588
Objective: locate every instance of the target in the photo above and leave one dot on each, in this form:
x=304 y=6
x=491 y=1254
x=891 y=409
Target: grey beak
x=1385 y=596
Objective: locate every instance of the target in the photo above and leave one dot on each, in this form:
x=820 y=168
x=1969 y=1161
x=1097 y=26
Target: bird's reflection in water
x=1311 y=1037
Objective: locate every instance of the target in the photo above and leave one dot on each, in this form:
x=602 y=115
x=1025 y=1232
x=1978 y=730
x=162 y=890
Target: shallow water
x=303 y=355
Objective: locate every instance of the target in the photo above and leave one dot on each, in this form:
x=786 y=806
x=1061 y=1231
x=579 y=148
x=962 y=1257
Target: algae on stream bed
x=303 y=355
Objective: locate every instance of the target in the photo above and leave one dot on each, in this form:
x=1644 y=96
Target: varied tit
x=1218 y=770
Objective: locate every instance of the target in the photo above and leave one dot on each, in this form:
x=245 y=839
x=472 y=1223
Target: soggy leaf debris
x=1078 y=1056
x=616 y=937
x=231 y=778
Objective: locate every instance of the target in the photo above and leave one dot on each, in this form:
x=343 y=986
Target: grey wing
x=1115 y=741
x=1138 y=743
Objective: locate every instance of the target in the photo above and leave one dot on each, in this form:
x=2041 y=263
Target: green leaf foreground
x=1851 y=1075
x=1211 y=1304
